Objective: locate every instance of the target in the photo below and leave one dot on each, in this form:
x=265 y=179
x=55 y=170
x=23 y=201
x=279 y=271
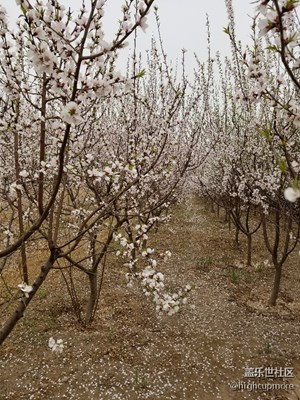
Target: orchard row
x=92 y=159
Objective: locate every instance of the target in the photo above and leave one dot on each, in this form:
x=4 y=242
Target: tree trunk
x=24 y=301
x=93 y=281
x=276 y=285
x=249 y=250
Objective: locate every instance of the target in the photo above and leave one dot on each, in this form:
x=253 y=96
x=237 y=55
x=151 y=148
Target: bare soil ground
x=130 y=353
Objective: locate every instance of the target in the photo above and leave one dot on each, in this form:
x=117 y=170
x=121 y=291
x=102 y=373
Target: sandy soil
x=201 y=353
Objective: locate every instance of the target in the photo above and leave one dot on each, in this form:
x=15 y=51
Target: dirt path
x=196 y=354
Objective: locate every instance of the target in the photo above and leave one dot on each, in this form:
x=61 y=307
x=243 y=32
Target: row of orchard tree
x=253 y=169
x=91 y=159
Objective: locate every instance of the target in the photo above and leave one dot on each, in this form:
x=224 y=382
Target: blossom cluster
x=152 y=281
x=56 y=346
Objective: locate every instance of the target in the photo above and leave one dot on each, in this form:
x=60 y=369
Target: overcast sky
x=183 y=24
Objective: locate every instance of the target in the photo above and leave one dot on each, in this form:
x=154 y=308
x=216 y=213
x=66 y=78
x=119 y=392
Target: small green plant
x=6 y=297
x=267 y=347
x=204 y=262
x=258 y=267
x=261 y=266
x=42 y=293
x=233 y=275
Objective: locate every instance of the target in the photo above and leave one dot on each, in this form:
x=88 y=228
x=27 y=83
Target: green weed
x=267 y=347
x=42 y=293
x=204 y=262
x=234 y=275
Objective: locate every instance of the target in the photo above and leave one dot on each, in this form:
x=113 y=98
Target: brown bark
x=276 y=286
x=24 y=301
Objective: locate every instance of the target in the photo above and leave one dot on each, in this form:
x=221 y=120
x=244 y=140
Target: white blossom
x=143 y=24
x=24 y=174
x=71 y=114
x=26 y=289
x=292 y=194
x=56 y=345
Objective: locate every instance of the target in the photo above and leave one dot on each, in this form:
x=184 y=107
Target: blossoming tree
x=55 y=69
x=257 y=123
x=92 y=158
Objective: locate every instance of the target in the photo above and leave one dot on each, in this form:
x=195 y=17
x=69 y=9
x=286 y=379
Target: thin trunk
x=42 y=146
x=276 y=285
x=20 y=209
x=24 y=301
x=249 y=250
x=59 y=211
x=100 y=286
x=94 y=292
x=93 y=295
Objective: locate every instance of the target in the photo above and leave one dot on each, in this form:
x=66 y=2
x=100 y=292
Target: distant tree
x=257 y=119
